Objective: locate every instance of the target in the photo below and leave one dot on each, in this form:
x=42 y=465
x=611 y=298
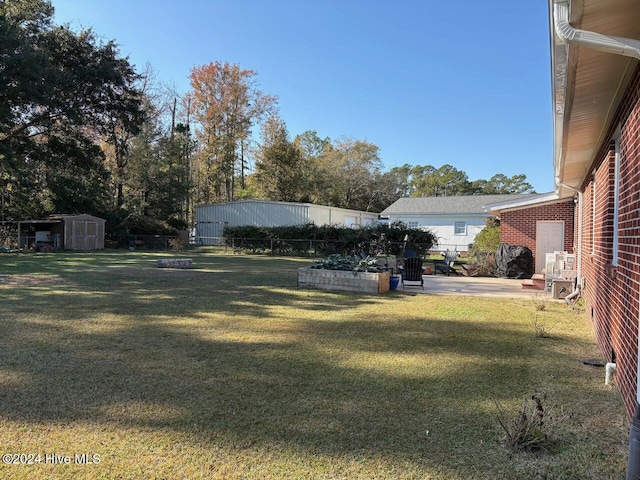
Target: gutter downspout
x=627 y=47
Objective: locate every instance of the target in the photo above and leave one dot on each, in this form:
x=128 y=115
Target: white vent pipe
x=605 y=43
x=609 y=369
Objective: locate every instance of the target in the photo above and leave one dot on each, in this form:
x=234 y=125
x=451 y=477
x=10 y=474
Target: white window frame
x=455 y=228
x=413 y=225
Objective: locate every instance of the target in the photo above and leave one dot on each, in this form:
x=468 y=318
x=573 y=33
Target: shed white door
x=84 y=235
x=549 y=239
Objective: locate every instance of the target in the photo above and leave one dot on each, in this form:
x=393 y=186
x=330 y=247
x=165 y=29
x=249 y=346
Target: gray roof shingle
x=460 y=204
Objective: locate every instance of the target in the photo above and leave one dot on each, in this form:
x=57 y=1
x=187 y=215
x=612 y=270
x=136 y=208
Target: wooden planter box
x=342 y=280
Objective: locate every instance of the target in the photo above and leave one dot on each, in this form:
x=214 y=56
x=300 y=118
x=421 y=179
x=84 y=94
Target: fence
x=142 y=242
x=271 y=246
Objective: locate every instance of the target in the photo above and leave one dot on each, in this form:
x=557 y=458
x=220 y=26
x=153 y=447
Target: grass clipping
x=529 y=430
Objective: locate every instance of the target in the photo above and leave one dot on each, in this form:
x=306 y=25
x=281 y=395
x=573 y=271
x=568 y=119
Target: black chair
x=412 y=272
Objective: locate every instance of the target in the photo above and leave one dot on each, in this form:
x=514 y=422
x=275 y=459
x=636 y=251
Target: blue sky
x=429 y=82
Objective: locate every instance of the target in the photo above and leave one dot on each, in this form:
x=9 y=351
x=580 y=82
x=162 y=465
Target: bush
x=329 y=239
x=529 y=429
x=488 y=239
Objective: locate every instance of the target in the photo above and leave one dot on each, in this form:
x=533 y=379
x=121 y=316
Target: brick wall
x=519 y=227
x=612 y=285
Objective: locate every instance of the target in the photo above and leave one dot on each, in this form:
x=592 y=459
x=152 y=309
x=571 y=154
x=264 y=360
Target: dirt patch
x=29 y=280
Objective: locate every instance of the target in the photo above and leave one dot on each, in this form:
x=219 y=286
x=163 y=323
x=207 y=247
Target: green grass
x=230 y=371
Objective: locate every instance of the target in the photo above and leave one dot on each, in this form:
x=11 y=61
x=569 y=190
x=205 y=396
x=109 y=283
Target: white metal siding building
x=211 y=218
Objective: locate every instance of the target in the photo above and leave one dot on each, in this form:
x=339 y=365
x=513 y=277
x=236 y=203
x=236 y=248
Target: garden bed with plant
x=347 y=272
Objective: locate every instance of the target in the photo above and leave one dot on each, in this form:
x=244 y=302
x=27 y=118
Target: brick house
x=595 y=49
x=543 y=223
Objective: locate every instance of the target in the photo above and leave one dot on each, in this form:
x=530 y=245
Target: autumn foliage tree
x=226 y=105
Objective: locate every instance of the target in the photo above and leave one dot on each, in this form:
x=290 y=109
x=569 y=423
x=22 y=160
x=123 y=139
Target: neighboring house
x=211 y=218
x=455 y=220
x=595 y=49
x=543 y=223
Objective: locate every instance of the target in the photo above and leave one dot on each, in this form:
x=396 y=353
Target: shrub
x=529 y=429
x=488 y=239
x=372 y=240
x=540 y=327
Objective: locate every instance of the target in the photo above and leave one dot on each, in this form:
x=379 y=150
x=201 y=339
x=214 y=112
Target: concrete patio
x=476 y=286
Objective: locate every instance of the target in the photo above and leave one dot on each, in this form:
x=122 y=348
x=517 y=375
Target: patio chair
x=446 y=265
x=412 y=272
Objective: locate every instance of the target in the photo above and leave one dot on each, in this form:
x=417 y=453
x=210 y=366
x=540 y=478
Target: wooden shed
x=62 y=232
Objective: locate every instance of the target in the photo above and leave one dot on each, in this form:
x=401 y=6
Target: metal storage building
x=211 y=218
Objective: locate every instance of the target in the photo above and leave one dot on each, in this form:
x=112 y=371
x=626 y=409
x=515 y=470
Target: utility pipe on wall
x=633 y=465
x=609 y=369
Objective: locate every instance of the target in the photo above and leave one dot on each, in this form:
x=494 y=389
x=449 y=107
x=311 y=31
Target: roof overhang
x=532 y=201
x=39 y=222
x=588 y=85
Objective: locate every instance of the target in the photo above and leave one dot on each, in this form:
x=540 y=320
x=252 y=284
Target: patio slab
x=476 y=286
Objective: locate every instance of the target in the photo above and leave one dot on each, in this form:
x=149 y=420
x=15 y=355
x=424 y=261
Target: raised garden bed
x=366 y=282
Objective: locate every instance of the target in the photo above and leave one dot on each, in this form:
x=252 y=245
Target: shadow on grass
x=417 y=388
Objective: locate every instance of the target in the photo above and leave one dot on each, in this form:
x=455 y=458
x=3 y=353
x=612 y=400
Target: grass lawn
x=230 y=371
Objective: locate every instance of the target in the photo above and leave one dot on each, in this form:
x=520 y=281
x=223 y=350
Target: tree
x=351 y=168
x=157 y=184
x=226 y=104
x=315 y=181
x=311 y=145
x=500 y=183
x=388 y=187
x=60 y=89
x=279 y=165
x=428 y=181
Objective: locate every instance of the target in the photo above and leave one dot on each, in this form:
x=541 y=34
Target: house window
x=616 y=202
x=460 y=228
x=413 y=225
x=350 y=222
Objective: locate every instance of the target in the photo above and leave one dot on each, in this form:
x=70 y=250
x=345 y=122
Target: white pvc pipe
x=609 y=369
x=573 y=295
